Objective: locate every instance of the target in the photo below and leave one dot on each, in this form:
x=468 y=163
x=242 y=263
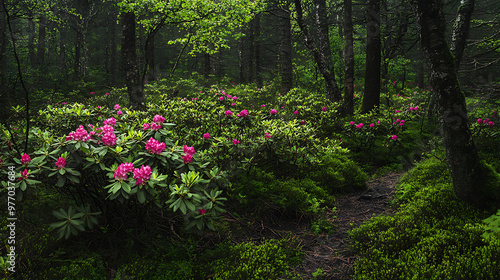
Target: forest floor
x=330 y=252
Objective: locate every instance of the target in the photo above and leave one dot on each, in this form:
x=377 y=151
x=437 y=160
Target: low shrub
x=432 y=236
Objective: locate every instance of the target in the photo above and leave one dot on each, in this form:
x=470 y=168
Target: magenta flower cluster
x=79 y=135
x=25 y=159
x=60 y=163
x=109 y=139
x=122 y=171
x=154 y=146
x=188 y=154
x=485 y=121
x=142 y=175
x=243 y=113
x=110 y=121
x=156 y=124
x=24 y=175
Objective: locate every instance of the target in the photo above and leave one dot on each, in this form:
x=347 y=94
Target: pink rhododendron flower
x=194 y=98
x=360 y=125
x=187 y=158
x=490 y=123
x=99 y=107
x=228 y=113
x=92 y=92
x=79 y=135
x=486 y=120
x=117 y=107
x=24 y=175
x=268 y=135
x=235 y=142
x=142 y=175
x=273 y=111
x=119 y=113
x=378 y=122
x=109 y=139
x=107 y=129
x=25 y=159
x=243 y=113
x=302 y=122
x=206 y=135
x=416 y=108
x=189 y=150
x=158 y=119
x=323 y=109
x=394 y=137
x=372 y=125
x=263 y=105
x=234 y=98
x=398 y=111
x=233 y=104
x=107 y=93
x=122 y=171
x=296 y=112
x=201 y=211
x=221 y=98
x=229 y=96
x=352 y=122
x=154 y=146
x=60 y=162
x=145 y=126
x=155 y=126
x=411 y=108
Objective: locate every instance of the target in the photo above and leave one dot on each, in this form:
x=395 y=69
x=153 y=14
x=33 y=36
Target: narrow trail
x=331 y=253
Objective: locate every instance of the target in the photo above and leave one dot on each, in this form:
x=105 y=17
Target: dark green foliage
x=337 y=173
x=299 y=195
x=433 y=236
x=426 y=174
x=83 y=268
x=270 y=260
x=249 y=260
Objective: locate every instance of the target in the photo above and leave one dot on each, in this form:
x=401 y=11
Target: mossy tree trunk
x=286 y=66
x=371 y=98
x=349 y=59
x=461 y=153
x=130 y=63
x=461 y=30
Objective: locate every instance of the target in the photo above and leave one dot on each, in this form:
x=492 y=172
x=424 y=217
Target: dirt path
x=331 y=253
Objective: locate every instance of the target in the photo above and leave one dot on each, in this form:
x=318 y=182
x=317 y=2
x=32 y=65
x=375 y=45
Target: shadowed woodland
x=250 y=139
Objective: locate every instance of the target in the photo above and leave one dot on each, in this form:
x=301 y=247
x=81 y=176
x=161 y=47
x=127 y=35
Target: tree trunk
x=463 y=160
x=251 y=38
x=42 y=28
x=328 y=77
x=113 y=46
x=31 y=39
x=150 y=58
x=286 y=50
x=76 y=65
x=62 y=51
x=130 y=62
x=331 y=87
x=258 y=62
x=241 y=63
x=349 y=59
x=461 y=30
x=371 y=98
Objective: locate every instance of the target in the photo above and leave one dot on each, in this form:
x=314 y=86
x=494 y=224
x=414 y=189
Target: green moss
x=432 y=236
x=337 y=173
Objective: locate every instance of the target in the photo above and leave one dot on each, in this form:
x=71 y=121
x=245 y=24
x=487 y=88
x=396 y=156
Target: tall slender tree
x=371 y=98
x=467 y=173
x=349 y=59
x=286 y=68
x=461 y=30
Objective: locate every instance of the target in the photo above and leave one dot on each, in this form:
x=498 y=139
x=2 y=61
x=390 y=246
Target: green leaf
x=58 y=224
x=141 y=196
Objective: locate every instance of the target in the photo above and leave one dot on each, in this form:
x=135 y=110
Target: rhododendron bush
x=119 y=161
